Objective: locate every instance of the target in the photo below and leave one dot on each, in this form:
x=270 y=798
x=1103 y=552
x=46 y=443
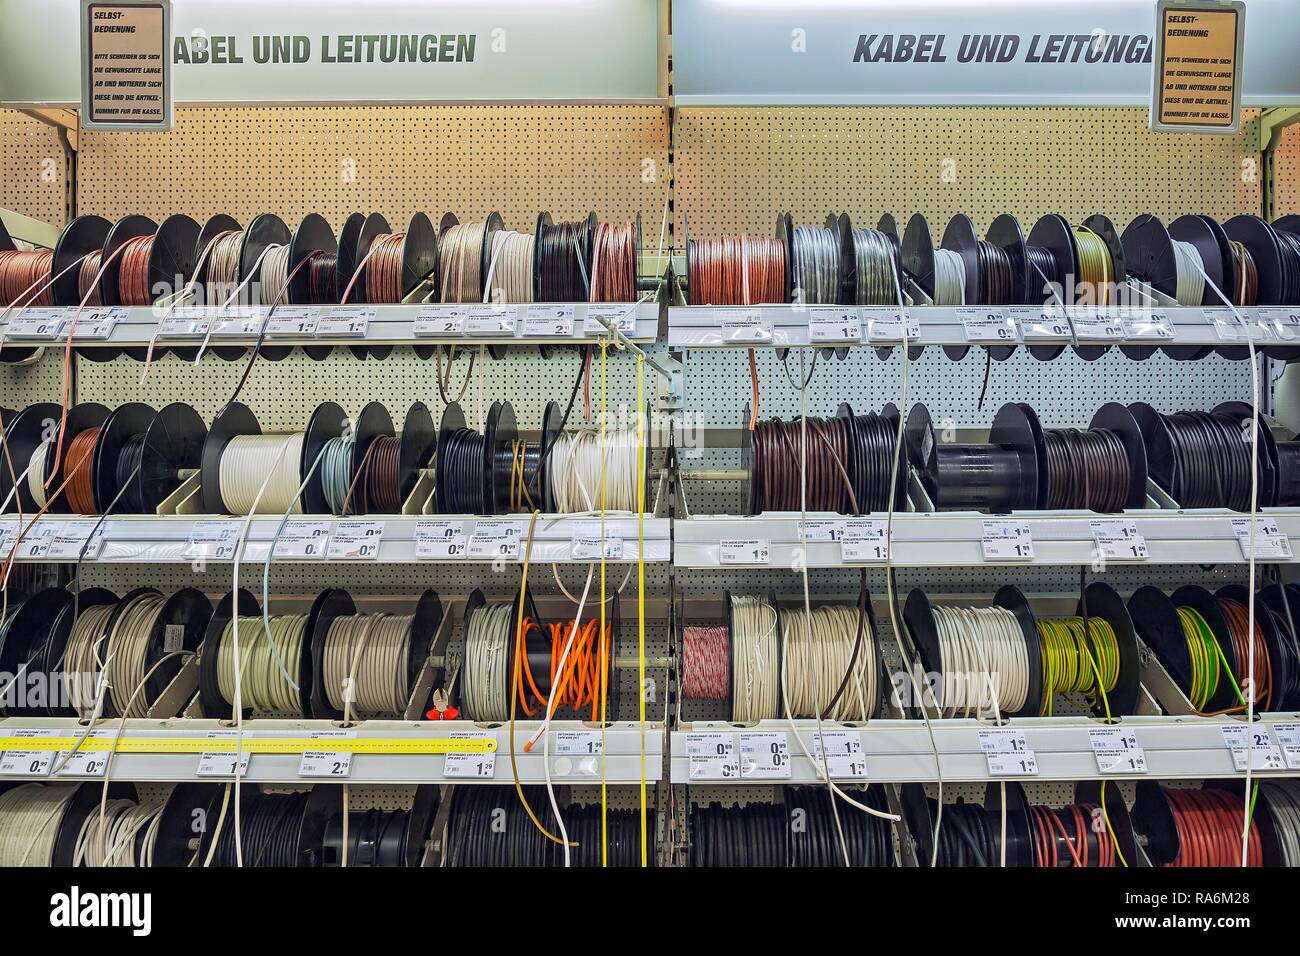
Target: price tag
x=214 y=539
x=71 y=536
x=576 y=743
x=712 y=756
x=1117 y=750
x=1264 y=754
x=820 y=529
x=834 y=325
x=621 y=315
x=1142 y=324
x=28 y=763
x=989 y=326
x=237 y=323
x=1270 y=542
x=1008 y=753
x=293 y=322
x=844 y=757
x=1285 y=322
x=764 y=756
x=864 y=541
x=1288 y=736
x=886 y=325
x=1007 y=541
x=321 y=763
x=587 y=543
x=221 y=764
x=8 y=534
x=548 y=321
x=346 y=322
x=356 y=541
x=746 y=551
x=1230 y=328
x=1042 y=324
x=303 y=539
x=184 y=324
x=94 y=324
x=469 y=765
x=440 y=539
x=36 y=324
x=491 y=320
x=82 y=763
x=1118 y=539
x=438 y=320
x=494 y=539
x=1094 y=324
x=38 y=540
x=745 y=325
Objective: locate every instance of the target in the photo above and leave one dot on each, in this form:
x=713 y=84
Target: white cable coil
x=461 y=262
x=365 y=664
x=1191 y=273
x=81 y=658
x=813 y=662
x=125 y=653
x=949 y=278
x=755 y=678
x=109 y=840
x=510 y=274
x=983 y=659
x=273 y=275
x=264 y=687
x=245 y=463
x=575 y=471
x=487 y=651
x=30 y=816
x=36 y=472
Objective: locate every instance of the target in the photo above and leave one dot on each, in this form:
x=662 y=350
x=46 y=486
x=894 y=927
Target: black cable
x=995 y=274
x=1041 y=275
x=128 y=466
x=563 y=271
x=462 y=472
x=1210 y=461
x=1290 y=286
x=1086 y=469
x=269 y=831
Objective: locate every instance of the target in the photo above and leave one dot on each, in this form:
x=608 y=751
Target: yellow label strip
x=258 y=745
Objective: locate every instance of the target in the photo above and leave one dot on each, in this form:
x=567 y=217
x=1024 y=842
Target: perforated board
x=1287 y=172
x=32 y=168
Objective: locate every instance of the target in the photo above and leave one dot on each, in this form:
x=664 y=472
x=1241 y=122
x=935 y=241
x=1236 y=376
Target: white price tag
x=548 y=321
x=347 y=322
x=71 y=536
x=621 y=315
x=1285 y=321
x=989 y=326
x=491 y=320
x=237 y=323
x=1003 y=742
x=1288 y=737
x=745 y=325
x=844 y=757
x=8 y=534
x=1232 y=328
x=214 y=539
x=864 y=541
x=713 y=756
x=1096 y=324
x=587 y=541
x=1038 y=324
x=356 y=541
x=93 y=324
x=1144 y=324
x=745 y=551
x=1270 y=542
x=1007 y=541
x=293 y=322
x=764 y=756
x=1264 y=754
x=36 y=543
x=494 y=539
x=1117 y=750
x=1008 y=753
x=303 y=539
x=221 y=764
x=576 y=743
x=834 y=324
x=82 y=763
x=885 y=324
x=821 y=529
x=185 y=323
x=472 y=766
x=322 y=763
x=438 y=320
x=1118 y=539
x=440 y=539
x=28 y=763
x=36 y=324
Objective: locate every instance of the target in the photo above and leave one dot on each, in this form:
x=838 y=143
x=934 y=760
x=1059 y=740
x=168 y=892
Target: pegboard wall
x=735 y=169
x=1287 y=172
x=33 y=171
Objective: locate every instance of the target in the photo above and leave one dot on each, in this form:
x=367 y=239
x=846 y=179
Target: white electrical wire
x=80 y=672
x=949 y=278
x=487 y=652
x=575 y=466
x=365 y=664
x=36 y=482
x=30 y=816
x=816 y=650
x=510 y=273
x=983 y=659
x=755 y=678
x=109 y=838
x=126 y=652
x=1190 y=269
x=264 y=687
x=259 y=474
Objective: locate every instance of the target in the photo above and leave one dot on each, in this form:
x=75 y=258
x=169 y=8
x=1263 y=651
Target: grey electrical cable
x=487 y=653
x=336 y=473
x=365 y=664
x=949 y=278
x=816 y=266
x=30 y=816
x=265 y=689
x=80 y=671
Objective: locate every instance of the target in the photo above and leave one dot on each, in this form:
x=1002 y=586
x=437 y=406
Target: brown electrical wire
x=1086 y=470
x=380 y=490
x=80 y=462
x=322 y=278
x=133 y=271
x=1247 y=288
x=1238 y=617
x=384 y=269
x=20 y=272
x=613 y=263
x=87 y=288
x=737 y=270
x=775 y=476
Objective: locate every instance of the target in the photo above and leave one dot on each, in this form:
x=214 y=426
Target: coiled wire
x=336 y=473
x=488 y=634
x=510 y=275
x=564 y=272
x=1096 y=268
x=263 y=685
x=983 y=661
x=995 y=274
x=1077 y=659
x=816 y=650
x=1189 y=267
x=30 y=817
x=1086 y=469
x=575 y=469
x=877 y=268
x=1246 y=290
x=124 y=835
x=365 y=664
x=755 y=678
x=460 y=262
x=80 y=670
x=1210 y=460
x=737 y=270
x=126 y=653
x=949 y=278
x=816 y=265
x=245 y=463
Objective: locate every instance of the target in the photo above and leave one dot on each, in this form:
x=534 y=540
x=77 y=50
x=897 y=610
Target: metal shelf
x=953 y=539
x=320 y=325
x=789 y=325
x=622 y=743
x=900 y=751
x=441 y=539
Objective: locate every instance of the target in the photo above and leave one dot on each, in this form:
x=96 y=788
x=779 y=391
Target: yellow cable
x=640 y=582
x=1106 y=816
x=1096 y=271
x=604 y=650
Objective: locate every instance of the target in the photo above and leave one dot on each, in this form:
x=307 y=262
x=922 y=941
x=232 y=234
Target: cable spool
x=1203 y=459
x=1100 y=469
x=1084 y=834
x=473 y=839
x=488 y=665
x=776 y=456
x=1278 y=610
x=26 y=634
x=871 y=269
x=312 y=270
x=237 y=457
x=473 y=470
x=1287 y=231
x=1111 y=640
x=1279 y=824
x=941 y=273
x=999 y=477
x=563 y=250
x=1200 y=828
x=761 y=835
x=465 y=258
x=814 y=258
x=616 y=252
x=970 y=835
x=37 y=428
x=381 y=654
x=22 y=273
x=965 y=644
x=264 y=687
x=382 y=838
x=124 y=834
x=276 y=829
x=31 y=820
x=388 y=466
x=737 y=270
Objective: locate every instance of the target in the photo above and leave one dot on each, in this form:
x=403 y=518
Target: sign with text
x=126 y=65
x=1196 y=85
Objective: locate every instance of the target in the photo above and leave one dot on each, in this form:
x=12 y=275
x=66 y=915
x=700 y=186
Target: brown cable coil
x=737 y=270
x=384 y=270
x=777 y=453
x=613 y=263
x=86 y=278
x=381 y=494
x=80 y=463
x=21 y=275
x=133 y=271
x=1247 y=288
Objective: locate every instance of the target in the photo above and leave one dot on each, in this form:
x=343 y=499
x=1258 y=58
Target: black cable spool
x=577 y=288
x=23 y=433
x=499 y=436
x=171 y=444
x=785 y=234
x=918 y=616
x=210 y=699
x=1153 y=824
x=1284 y=603
x=80 y=417
x=1005 y=232
x=181 y=626
x=871 y=449
x=83 y=803
x=1186 y=456
x=265 y=230
x=537 y=647
x=1155 y=618
x=999 y=477
x=313 y=235
x=51 y=662
x=1020 y=843
x=1051 y=240
x=395 y=838
x=1150 y=258
x=189 y=810
x=960 y=237
x=419 y=442
x=85 y=234
x=1270 y=457
x=24 y=638
x=453 y=422
x=1287 y=231
x=373 y=422
x=125 y=426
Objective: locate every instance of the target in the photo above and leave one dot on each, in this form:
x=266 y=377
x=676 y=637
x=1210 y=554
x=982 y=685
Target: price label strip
x=356 y=541
x=1288 y=738
x=1270 y=542
x=494 y=540
x=1008 y=753
x=764 y=756
x=129 y=744
x=345 y=322
x=1117 y=751
x=843 y=756
x=745 y=551
x=1118 y=539
x=588 y=544
x=621 y=315
x=28 y=763
x=440 y=539
x=1258 y=742
x=712 y=756
x=548 y=321
x=1043 y=325
x=1007 y=541
x=989 y=326
x=1093 y=324
x=826 y=325
x=303 y=540
x=221 y=763
x=1140 y=324
x=293 y=322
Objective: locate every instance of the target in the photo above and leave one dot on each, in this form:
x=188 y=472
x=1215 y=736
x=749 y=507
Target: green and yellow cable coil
x=1078 y=660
